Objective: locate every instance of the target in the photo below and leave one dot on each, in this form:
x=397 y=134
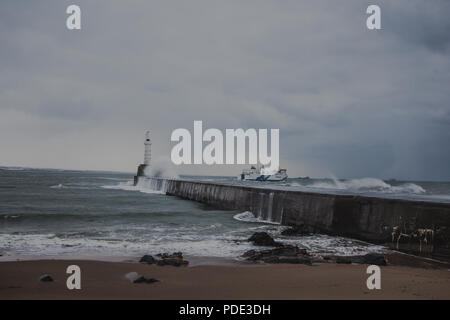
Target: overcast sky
x=348 y=101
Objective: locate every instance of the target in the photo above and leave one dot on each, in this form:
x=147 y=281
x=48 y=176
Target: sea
x=50 y=213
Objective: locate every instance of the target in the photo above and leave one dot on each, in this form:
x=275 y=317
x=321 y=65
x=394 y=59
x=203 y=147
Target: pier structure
x=418 y=227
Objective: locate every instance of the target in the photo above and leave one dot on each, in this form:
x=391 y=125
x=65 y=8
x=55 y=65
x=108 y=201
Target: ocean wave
x=321 y=244
x=80 y=185
x=247 y=216
x=59 y=186
x=10 y=216
x=369 y=185
x=13 y=168
x=129 y=186
x=231 y=243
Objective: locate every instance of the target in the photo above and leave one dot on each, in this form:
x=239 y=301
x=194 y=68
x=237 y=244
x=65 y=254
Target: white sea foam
x=58 y=186
x=50 y=245
x=369 y=184
x=13 y=168
x=84 y=186
x=129 y=186
x=161 y=168
x=247 y=216
x=230 y=244
x=320 y=244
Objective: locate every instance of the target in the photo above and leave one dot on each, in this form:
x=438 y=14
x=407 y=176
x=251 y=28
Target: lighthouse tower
x=148 y=149
x=147 y=158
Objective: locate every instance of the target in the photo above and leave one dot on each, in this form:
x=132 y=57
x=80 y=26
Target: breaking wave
x=161 y=168
x=58 y=186
x=247 y=216
x=369 y=184
x=129 y=186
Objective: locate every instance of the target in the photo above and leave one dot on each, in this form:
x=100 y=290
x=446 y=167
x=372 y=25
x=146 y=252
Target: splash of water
x=161 y=168
x=247 y=216
x=368 y=184
x=142 y=186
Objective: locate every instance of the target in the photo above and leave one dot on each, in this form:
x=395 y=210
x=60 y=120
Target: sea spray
x=247 y=216
x=368 y=185
x=161 y=168
x=144 y=185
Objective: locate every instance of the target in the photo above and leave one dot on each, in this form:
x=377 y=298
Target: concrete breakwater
x=418 y=227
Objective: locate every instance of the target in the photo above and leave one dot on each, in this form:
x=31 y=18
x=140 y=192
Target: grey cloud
x=348 y=101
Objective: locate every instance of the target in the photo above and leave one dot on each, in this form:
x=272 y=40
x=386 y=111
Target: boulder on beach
x=147 y=259
x=176 y=262
x=263 y=239
x=165 y=259
x=46 y=278
x=281 y=254
x=167 y=255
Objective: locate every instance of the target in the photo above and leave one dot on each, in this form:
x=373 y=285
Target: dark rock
x=165 y=259
x=46 y=278
x=178 y=254
x=173 y=255
x=249 y=253
x=148 y=259
x=170 y=262
x=282 y=254
x=271 y=259
x=263 y=239
x=142 y=279
x=374 y=258
x=288 y=250
x=175 y=259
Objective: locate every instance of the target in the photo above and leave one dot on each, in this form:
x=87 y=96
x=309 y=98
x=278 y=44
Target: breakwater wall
x=417 y=227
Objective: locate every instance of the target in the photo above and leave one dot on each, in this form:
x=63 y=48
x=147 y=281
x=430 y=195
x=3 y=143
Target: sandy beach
x=106 y=280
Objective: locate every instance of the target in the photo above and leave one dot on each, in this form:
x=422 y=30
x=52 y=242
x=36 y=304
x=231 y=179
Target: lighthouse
x=147 y=157
x=148 y=148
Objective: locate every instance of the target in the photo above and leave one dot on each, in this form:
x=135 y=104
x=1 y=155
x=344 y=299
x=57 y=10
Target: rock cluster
x=280 y=254
x=283 y=253
x=165 y=259
x=263 y=239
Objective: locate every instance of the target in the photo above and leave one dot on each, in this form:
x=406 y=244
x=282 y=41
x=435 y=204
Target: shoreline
x=106 y=280
x=193 y=260
x=394 y=258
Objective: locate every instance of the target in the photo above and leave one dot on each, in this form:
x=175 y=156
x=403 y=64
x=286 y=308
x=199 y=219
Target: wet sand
x=105 y=280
